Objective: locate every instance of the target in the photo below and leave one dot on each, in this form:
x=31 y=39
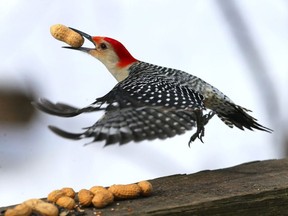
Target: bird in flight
x=149 y=101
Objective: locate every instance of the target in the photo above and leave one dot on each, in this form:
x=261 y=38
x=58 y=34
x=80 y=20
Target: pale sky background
x=193 y=36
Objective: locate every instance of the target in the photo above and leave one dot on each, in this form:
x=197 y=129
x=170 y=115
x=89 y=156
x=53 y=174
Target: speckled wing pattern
x=143 y=107
x=125 y=125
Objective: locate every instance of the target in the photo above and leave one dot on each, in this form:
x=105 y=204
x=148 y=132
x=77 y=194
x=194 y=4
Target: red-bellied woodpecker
x=149 y=101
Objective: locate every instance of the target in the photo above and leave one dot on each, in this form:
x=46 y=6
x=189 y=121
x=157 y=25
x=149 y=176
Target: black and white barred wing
x=122 y=125
x=152 y=89
x=136 y=109
x=125 y=125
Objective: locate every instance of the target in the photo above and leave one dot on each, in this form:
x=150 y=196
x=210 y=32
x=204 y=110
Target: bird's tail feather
x=238 y=116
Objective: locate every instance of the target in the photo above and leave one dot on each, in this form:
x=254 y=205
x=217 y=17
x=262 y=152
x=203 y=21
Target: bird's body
x=149 y=101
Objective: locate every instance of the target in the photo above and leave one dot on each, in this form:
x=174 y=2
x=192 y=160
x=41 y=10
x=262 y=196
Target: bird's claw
x=201 y=120
x=199 y=134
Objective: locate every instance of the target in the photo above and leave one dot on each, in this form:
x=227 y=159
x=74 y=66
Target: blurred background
x=240 y=47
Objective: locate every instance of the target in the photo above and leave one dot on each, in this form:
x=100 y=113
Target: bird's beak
x=85 y=35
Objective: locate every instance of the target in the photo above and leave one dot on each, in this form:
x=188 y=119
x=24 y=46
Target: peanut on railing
x=97 y=196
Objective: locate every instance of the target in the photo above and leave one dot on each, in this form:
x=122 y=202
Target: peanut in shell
x=66 y=202
x=67 y=35
x=127 y=191
x=85 y=197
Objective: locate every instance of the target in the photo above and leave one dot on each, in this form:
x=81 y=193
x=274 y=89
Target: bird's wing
x=137 y=108
x=61 y=109
x=138 y=91
x=148 y=89
x=125 y=125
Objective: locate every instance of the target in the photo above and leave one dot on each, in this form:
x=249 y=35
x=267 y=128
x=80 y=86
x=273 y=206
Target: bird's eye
x=103 y=46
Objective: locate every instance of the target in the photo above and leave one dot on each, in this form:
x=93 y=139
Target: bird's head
x=110 y=52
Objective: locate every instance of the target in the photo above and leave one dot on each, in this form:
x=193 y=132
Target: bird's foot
x=201 y=120
x=199 y=134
